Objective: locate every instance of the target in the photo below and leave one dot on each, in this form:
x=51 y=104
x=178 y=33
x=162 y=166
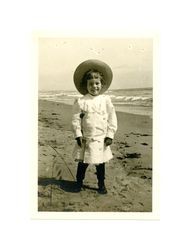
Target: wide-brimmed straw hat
x=92 y=64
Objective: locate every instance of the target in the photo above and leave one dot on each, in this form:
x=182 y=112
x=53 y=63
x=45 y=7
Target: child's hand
x=79 y=141
x=108 y=141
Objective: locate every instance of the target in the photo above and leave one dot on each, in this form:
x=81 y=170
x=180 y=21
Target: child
x=94 y=120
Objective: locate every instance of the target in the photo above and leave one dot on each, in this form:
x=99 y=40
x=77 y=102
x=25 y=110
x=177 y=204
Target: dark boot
x=101 y=176
x=81 y=174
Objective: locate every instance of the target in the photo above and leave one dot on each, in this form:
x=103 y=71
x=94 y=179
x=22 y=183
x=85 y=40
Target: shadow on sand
x=67 y=186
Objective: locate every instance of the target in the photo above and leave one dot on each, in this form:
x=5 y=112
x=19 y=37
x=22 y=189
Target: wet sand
x=128 y=174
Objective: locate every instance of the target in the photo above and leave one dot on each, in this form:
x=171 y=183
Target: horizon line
x=106 y=91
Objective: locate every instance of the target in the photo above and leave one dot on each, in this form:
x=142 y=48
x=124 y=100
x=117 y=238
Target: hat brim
x=98 y=65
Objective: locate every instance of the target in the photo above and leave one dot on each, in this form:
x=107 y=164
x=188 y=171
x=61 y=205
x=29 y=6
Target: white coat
x=93 y=119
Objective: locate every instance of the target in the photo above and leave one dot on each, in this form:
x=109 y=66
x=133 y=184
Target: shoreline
x=128 y=174
x=118 y=108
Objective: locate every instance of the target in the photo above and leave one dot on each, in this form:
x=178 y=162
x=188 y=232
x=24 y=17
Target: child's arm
x=76 y=120
x=112 y=119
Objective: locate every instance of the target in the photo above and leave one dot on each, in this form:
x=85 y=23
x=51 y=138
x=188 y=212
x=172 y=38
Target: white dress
x=94 y=118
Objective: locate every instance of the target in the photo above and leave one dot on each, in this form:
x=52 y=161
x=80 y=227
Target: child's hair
x=89 y=75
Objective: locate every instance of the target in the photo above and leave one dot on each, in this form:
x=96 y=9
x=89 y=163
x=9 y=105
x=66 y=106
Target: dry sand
x=128 y=174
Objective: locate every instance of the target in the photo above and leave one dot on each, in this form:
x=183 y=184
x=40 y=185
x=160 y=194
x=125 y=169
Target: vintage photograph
x=95 y=124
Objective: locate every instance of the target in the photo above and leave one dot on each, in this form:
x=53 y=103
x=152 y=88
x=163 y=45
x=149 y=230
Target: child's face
x=94 y=85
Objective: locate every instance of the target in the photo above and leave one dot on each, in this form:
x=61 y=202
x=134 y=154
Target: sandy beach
x=128 y=174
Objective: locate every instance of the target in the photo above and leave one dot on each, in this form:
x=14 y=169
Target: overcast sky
x=130 y=60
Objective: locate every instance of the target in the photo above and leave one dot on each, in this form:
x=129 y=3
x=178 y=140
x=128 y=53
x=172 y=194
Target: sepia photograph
x=95 y=124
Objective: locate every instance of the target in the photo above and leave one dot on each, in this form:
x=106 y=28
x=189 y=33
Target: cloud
x=123 y=66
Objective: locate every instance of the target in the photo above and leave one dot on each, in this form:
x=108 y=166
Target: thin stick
x=54 y=161
x=64 y=161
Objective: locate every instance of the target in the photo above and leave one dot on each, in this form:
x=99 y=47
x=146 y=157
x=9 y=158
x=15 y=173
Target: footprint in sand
x=132 y=155
x=129 y=155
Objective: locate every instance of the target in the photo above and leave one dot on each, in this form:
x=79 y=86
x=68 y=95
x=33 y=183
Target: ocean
x=135 y=101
